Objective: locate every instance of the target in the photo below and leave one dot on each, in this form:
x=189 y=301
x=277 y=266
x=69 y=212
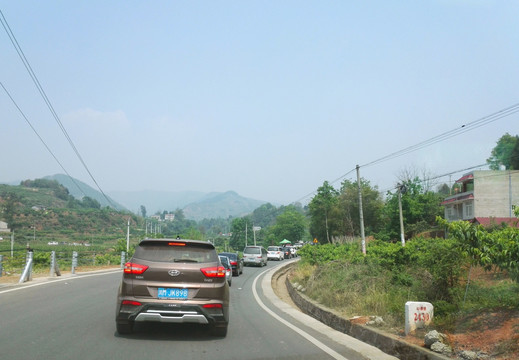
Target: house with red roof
x=486 y=197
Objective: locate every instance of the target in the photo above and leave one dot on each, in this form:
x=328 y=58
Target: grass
x=366 y=290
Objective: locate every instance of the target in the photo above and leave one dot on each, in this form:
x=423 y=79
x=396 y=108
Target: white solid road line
x=66 y=278
x=304 y=334
x=362 y=349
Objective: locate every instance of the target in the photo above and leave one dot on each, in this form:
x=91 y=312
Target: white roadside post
x=417 y=315
x=74 y=262
x=128 y=237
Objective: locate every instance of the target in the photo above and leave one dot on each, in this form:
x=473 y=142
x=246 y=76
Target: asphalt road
x=73 y=318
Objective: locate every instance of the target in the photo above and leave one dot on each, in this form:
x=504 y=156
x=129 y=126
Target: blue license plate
x=172 y=293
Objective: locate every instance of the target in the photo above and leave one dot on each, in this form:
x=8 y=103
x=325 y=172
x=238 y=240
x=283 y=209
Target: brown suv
x=173 y=281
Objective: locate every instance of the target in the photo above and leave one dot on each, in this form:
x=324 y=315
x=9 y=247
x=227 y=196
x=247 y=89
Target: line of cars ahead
x=181 y=281
x=253 y=255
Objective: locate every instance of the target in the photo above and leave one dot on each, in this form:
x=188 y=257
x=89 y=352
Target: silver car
x=255 y=255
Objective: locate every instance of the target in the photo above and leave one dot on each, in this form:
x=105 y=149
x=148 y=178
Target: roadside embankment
x=389 y=343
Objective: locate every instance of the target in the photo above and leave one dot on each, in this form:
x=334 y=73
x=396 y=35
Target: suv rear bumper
x=252 y=261
x=177 y=317
x=172 y=313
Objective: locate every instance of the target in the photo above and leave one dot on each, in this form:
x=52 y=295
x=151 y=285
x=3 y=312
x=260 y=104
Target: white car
x=275 y=253
x=293 y=250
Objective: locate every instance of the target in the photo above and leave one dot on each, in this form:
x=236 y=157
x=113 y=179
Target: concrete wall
x=494 y=191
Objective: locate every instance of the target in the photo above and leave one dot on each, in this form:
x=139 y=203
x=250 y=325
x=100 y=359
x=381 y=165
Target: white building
x=4 y=228
x=486 y=197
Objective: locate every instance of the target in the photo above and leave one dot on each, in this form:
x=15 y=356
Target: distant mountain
x=155 y=201
x=72 y=186
x=221 y=205
x=196 y=205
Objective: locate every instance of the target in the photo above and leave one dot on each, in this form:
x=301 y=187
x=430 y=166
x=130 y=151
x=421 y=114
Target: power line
x=36 y=82
x=41 y=139
x=439 y=176
x=436 y=139
x=447 y=135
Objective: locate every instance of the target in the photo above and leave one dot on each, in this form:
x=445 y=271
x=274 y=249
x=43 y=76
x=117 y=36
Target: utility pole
x=361 y=214
x=401 y=189
x=254 y=229
x=128 y=238
x=510 y=193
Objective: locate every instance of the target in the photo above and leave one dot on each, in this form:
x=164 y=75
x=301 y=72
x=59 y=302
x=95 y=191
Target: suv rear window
x=163 y=252
x=252 y=250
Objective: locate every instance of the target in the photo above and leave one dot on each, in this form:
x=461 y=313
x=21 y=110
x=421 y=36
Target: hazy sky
x=266 y=98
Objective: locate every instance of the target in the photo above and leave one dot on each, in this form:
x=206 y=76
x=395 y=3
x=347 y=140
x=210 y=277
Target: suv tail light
x=215 y=271
x=234 y=262
x=131 y=302
x=212 y=306
x=136 y=269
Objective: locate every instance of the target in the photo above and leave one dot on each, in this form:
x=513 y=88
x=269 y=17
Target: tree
x=419 y=207
x=179 y=214
x=322 y=207
x=143 y=211
x=11 y=204
x=90 y=203
x=502 y=153
x=289 y=225
x=514 y=157
x=265 y=215
x=372 y=205
x=443 y=190
x=241 y=229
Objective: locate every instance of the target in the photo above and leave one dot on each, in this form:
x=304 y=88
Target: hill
x=86 y=190
x=43 y=212
x=196 y=205
x=221 y=205
x=155 y=200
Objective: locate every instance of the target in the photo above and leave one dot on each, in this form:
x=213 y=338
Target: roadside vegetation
x=436 y=270
x=471 y=278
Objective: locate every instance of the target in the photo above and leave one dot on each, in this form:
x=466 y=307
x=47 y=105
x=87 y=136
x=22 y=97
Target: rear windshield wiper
x=185 y=260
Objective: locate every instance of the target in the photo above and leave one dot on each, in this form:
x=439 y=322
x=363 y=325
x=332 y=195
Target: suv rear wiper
x=185 y=260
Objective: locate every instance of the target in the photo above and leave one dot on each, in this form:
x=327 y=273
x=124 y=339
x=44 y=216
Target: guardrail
x=17 y=264
x=27 y=271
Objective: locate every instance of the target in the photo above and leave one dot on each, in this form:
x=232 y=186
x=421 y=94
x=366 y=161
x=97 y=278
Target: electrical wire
x=510 y=110
x=449 y=134
x=35 y=80
x=41 y=139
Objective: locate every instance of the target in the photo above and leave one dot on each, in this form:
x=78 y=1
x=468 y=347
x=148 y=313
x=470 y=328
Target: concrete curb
x=388 y=343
